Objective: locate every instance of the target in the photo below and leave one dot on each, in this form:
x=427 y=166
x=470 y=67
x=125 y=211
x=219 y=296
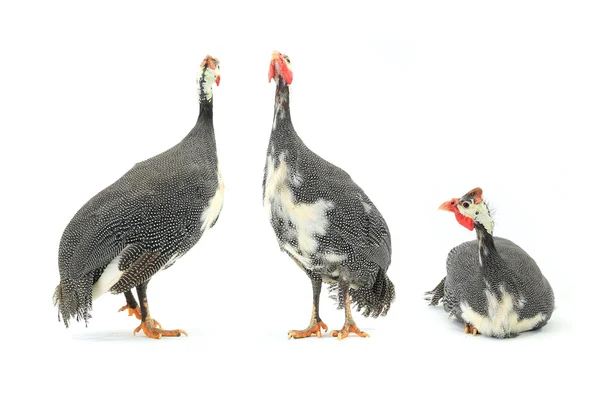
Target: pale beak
x=449 y=205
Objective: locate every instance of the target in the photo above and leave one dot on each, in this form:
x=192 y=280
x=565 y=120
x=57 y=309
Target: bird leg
x=151 y=327
x=131 y=306
x=315 y=325
x=470 y=329
x=349 y=324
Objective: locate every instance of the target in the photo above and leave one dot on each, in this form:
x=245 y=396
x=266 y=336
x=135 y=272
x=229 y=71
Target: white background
x=419 y=103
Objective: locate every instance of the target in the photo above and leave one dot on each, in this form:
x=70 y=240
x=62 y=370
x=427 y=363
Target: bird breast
x=297 y=224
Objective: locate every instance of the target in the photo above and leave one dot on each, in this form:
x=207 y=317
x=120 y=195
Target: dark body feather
x=147 y=219
x=506 y=270
x=351 y=239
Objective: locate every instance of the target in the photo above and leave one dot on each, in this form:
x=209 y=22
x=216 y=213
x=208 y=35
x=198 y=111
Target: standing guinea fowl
x=323 y=220
x=492 y=285
x=144 y=221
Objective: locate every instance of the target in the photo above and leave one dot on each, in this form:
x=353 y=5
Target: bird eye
x=466 y=204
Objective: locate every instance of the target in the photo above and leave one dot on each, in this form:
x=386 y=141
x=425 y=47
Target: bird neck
x=282 y=104
x=486 y=247
x=202 y=135
x=283 y=135
x=205 y=113
x=205 y=87
x=206 y=110
x=205 y=94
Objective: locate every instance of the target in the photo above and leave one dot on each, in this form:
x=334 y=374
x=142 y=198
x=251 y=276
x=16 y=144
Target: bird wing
x=353 y=218
x=356 y=220
x=139 y=268
x=148 y=206
x=102 y=228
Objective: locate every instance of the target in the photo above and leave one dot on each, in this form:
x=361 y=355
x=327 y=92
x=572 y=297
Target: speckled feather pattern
x=149 y=217
x=511 y=270
x=346 y=238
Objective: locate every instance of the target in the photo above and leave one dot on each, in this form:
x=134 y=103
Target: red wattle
x=287 y=74
x=465 y=221
x=218 y=80
x=271 y=71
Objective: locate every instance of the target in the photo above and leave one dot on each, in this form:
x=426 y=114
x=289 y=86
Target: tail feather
x=437 y=294
x=74 y=299
x=370 y=301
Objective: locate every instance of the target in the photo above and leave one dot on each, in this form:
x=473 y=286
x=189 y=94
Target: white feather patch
x=211 y=213
x=502 y=319
x=110 y=276
x=334 y=258
x=309 y=218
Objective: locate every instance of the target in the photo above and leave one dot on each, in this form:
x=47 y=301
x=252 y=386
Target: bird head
x=281 y=67
x=208 y=74
x=469 y=209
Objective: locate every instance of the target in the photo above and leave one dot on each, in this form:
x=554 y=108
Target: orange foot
x=471 y=329
x=132 y=311
x=346 y=330
x=153 y=329
x=313 y=329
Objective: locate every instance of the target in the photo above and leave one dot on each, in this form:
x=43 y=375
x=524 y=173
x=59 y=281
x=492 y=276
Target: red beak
x=452 y=206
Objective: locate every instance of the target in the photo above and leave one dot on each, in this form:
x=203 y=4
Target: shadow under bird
x=492 y=285
x=144 y=221
x=323 y=220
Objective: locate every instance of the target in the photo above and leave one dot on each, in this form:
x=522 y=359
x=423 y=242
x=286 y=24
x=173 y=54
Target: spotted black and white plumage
x=322 y=218
x=491 y=284
x=146 y=220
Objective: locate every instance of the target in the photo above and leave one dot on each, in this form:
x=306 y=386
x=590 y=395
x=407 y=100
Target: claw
x=313 y=329
x=471 y=329
x=346 y=330
x=153 y=329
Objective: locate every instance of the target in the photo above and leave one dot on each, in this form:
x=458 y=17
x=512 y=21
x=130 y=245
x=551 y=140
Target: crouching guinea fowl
x=323 y=220
x=144 y=221
x=492 y=285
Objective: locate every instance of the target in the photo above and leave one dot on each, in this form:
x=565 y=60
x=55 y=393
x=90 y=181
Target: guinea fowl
x=323 y=220
x=492 y=285
x=144 y=221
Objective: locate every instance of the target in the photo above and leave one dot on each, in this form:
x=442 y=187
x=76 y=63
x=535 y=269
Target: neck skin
x=205 y=95
x=206 y=78
x=205 y=100
x=487 y=249
x=202 y=134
